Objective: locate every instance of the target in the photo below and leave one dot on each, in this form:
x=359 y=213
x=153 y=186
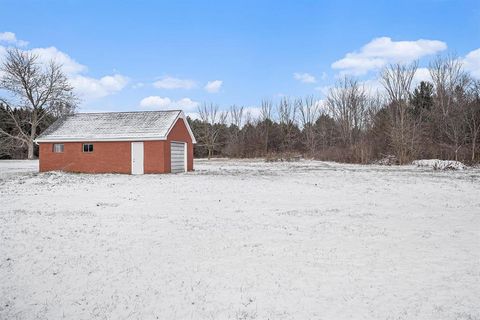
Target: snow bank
x=437 y=164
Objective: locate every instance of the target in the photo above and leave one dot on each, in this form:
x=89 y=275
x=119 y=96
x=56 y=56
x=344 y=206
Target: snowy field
x=241 y=240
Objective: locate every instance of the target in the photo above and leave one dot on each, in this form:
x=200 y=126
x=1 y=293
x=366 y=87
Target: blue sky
x=156 y=55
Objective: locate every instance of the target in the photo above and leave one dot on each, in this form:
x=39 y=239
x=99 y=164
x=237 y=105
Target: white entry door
x=178 y=157
x=137 y=157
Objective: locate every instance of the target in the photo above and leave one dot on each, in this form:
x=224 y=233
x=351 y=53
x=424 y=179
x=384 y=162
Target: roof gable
x=113 y=126
x=181 y=117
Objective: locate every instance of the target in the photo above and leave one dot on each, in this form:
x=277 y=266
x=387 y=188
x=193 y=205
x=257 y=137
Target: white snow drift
x=437 y=164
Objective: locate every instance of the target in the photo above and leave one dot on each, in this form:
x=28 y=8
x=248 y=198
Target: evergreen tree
x=422 y=99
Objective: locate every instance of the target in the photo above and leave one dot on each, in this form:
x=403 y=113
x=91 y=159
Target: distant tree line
x=437 y=119
x=404 y=121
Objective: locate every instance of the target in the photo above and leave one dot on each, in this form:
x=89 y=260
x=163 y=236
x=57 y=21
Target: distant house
x=118 y=142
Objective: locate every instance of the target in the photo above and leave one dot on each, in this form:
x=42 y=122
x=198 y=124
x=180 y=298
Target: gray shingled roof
x=111 y=126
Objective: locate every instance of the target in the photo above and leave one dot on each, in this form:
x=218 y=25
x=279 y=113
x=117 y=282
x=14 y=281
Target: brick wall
x=106 y=157
x=115 y=157
x=154 y=157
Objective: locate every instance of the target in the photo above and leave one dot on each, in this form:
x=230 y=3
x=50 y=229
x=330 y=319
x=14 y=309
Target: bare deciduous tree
x=472 y=117
x=213 y=121
x=235 y=141
x=347 y=102
x=287 y=116
x=309 y=110
x=41 y=89
x=450 y=83
x=237 y=116
x=397 y=81
x=266 y=119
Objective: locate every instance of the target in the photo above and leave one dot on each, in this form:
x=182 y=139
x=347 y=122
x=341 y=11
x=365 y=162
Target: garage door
x=177 y=152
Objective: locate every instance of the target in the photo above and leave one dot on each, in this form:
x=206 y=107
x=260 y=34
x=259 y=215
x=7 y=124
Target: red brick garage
x=118 y=142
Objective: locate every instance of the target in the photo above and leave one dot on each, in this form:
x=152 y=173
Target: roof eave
x=89 y=139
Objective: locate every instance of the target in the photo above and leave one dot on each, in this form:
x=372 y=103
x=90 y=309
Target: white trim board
x=101 y=139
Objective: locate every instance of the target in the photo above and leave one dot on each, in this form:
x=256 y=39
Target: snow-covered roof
x=114 y=126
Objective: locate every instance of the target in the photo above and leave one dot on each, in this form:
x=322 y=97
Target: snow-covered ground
x=14 y=167
x=241 y=240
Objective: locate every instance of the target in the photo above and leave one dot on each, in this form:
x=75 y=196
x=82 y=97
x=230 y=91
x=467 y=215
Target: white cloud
x=86 y=87
x=155 y=101
x=69 y=65
x=185 y=104
x=304 y=77
x=381 y=51
x=167 y=103
x=174 y=83
x=11 y=38
x=7 y=37
x=422 y=74
x=91 y=88
x=213 y=86
x=471 y=62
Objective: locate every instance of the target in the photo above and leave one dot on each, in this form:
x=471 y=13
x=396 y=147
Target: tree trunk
x=30 y=147
x=266 y=141
x=473 y=148
x=33 y=134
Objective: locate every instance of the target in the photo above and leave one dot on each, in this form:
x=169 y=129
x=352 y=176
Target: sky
x=156 y=55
